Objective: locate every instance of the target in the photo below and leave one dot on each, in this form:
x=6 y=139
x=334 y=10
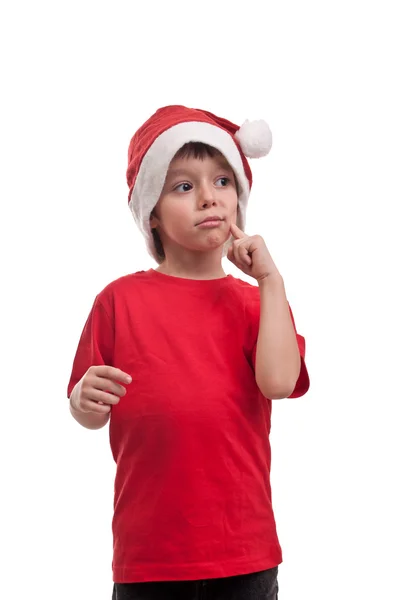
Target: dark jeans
x=255 y=586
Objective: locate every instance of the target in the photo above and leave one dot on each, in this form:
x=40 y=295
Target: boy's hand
x=251 y=255
x=97 y=390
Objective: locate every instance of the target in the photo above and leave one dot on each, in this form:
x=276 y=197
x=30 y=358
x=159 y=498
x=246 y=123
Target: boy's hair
x=197 y=150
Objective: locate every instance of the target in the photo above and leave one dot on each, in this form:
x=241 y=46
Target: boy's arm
x=95 y=348
x=278 y=360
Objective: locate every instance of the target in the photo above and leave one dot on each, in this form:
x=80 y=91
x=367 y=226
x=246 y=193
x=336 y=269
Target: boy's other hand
x=98 y=390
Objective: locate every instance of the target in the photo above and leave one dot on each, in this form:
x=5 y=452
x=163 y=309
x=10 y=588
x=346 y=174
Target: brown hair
x=197 y=150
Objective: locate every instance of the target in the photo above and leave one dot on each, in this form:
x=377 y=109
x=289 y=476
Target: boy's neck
x=197 y=273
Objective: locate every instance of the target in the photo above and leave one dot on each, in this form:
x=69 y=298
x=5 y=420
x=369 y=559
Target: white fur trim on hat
x=155 y=164
x=255 y=138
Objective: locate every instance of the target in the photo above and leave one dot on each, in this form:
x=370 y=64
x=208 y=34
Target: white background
x=77 y=80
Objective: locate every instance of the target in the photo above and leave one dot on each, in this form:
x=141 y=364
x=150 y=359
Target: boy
x=184 y=360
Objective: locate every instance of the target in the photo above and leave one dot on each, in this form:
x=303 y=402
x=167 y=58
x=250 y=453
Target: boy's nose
x=206 y=195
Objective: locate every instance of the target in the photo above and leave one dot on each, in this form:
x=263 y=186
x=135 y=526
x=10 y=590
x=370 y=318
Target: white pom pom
x=255 y=138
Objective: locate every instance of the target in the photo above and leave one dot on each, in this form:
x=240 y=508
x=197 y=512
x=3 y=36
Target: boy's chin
x=218 y=241
x=214 y=241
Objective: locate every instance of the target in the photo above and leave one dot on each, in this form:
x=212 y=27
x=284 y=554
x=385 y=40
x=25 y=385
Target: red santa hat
x=157 y=141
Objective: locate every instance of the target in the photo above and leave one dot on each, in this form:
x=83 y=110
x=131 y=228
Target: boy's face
x=194 y=190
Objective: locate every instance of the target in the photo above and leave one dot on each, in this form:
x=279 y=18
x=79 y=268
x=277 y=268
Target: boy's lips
x=210 y=219
x=213 y=223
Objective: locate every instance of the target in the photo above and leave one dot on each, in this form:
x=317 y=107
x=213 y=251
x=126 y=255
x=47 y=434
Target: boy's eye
x=183 y=187
x=223 y=181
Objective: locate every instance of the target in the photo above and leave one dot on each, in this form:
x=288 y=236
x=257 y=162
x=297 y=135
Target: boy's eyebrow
x=177 y=172
x=224 y=164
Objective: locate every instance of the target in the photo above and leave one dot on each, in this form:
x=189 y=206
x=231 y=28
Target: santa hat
x=157 y=141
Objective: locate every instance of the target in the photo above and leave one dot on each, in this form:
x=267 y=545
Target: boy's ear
x=153 y=220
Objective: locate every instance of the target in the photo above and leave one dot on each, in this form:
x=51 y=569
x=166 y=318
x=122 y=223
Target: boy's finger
x=98 y=407
x=236 y=232
x=115 y=374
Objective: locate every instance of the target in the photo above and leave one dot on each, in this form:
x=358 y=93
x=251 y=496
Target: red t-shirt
x=191 y=437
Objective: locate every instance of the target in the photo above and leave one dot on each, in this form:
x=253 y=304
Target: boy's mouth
x=213 y=223
x=211 y=219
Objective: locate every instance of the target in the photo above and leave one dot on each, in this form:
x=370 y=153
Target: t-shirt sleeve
x=253 y=314
x=96 y=342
